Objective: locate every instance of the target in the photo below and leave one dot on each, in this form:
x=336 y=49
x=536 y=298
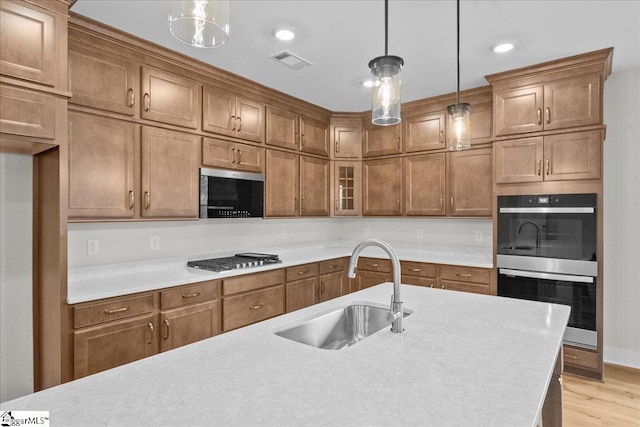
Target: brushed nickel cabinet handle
x=147 y=102
x=548 y=166
x=452 y=203
x=239 y=119
x=547 y=113
x=150 y=325
x=147 y=200
x=232 y=156
x=539 y=116
x=463 y=274
x=132 y=199
x=166 y=334
x=239 y=153
x=196 y=294
x=539 y=167
x=255 y=307
x=234 y=122
x=337 y=147
x=117 y=310
x=441 y=137
x=131 y=97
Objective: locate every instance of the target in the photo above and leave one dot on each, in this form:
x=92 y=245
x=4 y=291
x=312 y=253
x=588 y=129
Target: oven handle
x=547 y=276
x=548 y=210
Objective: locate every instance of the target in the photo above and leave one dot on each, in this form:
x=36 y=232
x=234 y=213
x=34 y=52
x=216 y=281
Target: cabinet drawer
x=302 y=271
x=580 y=357
x=420 y=269
x=332 y=265
x=374 y=264
x=252 y=282
x=94 y=313
x=464 y=274
x=28 y=113
x=192 y=294
x=427 y=282
x=476 y=288
x=242 y=310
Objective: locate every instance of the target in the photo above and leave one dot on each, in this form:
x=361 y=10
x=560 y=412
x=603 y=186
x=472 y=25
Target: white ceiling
x=340 y=37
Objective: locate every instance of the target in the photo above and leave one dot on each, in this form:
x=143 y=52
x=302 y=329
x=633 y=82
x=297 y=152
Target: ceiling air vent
x=290 y=60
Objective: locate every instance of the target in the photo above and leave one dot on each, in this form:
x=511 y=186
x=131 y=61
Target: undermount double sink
x=340 y=328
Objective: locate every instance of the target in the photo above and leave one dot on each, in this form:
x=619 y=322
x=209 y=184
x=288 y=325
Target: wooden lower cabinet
x=302 y=293
x=417 y=273
x=333 y=279
x=113 y=344
x=187 y=325
x=371 y=272
x=252 y=307
x=465 y=279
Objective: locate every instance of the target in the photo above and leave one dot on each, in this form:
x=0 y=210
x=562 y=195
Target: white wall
x=16 y=338
x=622 y=219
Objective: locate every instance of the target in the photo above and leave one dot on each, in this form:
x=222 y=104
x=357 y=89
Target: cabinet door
x=519 y=160
x=424 y=132
x=250 y=158
x=218 y=111
x=572 y=102
x=315 y=181
x=101 y=167
x=282 y=128
x=28 y=43
x=170 y=98
x=347 y=188
x=347 y=142
x=518 y=110
x=480 y=122
x=476 y=288
x=27 y=112
x=250 y=116
x=470 y=178
x=188 y=324
x=102 y=81
x=332 y=285
x=366 y=279
x=218 y=153
x=382 y=140
x=281 y=187
x=302 y=293
x=170 y=173
x=425 y=184
x=382 y=187
x=107 y=346
x=314 y=136
x=251 y=307
x=571 y=156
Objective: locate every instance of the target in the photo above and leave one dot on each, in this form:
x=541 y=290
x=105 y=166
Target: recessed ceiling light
x=371 y=83
x=502 y=47
x=284 y=34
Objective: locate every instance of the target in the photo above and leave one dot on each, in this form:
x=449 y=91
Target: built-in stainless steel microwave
x=231 y=194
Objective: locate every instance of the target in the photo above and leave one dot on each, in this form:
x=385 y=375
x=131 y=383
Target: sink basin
x=340 y=328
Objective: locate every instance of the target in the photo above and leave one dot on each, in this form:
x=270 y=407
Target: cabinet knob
x=147 y=102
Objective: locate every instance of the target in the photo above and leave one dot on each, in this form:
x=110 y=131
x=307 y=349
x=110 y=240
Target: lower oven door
x=578 y=292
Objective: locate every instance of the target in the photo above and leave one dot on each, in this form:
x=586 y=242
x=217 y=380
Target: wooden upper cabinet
x=281 y=186
x=282 y=128
x=347 y=142
x=470 y=182
x=227 y=114
x=315 y=181
x=102 y=162
x=424 y=132
x=28 y=44
x=381 y=140
x=102 y=81
x=170 y=178
x=27 y=112
x=347 y=188
x=519 y=160
x=425 y=184
x=230 y=155
x=481 y=123
x=382 y=187
x=314 y=136
x=170 y=98
x=566 y=103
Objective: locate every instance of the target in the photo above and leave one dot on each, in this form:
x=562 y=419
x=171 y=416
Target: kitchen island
x=463 y=360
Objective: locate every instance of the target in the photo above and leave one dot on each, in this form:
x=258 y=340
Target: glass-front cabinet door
x=347 y=186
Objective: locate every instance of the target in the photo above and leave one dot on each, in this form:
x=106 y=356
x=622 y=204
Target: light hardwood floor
x=614 y=402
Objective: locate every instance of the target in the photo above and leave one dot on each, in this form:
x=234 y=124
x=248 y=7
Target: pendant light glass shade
x=458 y=137
x=200 y=23
x=385 y=105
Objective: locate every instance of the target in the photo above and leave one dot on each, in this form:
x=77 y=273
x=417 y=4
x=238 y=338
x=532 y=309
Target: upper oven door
x=562 y=226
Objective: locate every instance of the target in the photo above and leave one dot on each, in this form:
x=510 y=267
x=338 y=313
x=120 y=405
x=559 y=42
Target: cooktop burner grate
x=238 y=261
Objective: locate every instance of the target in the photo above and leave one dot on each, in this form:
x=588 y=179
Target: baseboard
x=617 y=356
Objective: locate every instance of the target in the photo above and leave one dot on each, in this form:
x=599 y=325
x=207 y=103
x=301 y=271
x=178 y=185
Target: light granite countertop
x=463 y=360
x=110 y=280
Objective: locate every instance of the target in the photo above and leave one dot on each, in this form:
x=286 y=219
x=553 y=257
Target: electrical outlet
x=478 y=236
x=92 y=247
x=154 y=243
x=284 y=234
x=365 y=231
x=420 y=233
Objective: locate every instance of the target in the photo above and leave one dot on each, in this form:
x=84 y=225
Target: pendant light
x=385 y=110
x=458 y=135
x=200 y=23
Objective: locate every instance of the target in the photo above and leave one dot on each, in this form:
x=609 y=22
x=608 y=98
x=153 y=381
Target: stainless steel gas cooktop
x=238 y=261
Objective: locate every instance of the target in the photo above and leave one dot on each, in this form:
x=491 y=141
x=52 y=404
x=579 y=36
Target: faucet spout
x=395 y=308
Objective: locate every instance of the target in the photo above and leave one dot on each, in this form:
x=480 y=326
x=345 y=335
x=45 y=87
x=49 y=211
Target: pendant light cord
x=458 y=41
x=386 y=27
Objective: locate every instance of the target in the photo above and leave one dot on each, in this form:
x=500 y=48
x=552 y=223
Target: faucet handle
x=391 y=315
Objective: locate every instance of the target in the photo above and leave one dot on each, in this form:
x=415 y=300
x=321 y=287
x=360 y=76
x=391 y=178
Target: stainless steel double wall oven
x=547 y=252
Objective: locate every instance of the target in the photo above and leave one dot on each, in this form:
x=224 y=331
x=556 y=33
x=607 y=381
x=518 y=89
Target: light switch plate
x=92 y=247
x=154 y=243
